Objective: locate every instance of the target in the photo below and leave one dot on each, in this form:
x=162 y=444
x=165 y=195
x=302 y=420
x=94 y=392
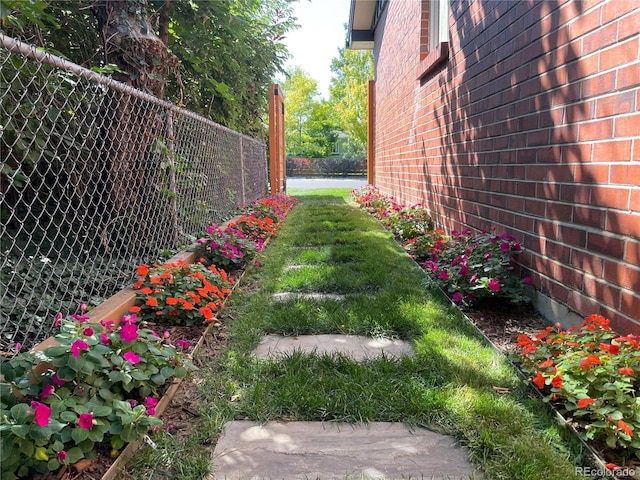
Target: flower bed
x=96 y=386
x=589 y=375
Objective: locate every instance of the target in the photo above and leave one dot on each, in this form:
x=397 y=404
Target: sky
x=316 y=42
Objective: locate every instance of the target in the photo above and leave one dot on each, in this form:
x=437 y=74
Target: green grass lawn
x=328 y=245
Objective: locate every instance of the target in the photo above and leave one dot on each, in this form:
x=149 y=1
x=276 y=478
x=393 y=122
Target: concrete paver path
x=321 y=450
x=355 y=346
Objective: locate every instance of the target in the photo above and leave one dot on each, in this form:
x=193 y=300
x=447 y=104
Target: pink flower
x=473 y=278
x=464 y=269
x=128 y=332
x=182 y=344
x=47 y=391
x=18 y=346
x=79 y=318
x=62 y=456
x=58 y=320
x=41 y=413
x=494 y=285
x=77 y=346
x=150 y=402
x=85 y=421
x=131 y=357
x=57 y=380
x=87 y=332
x=444 y=275
x=487 y=255
x=457 y=297
x=504 y=247
x=104 y=338
x=84 y=307
x=527 y=280
x=107 y=324
x=129 y=319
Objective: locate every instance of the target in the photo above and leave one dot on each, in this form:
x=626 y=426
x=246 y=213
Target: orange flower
x=212 y=306
x=208 y=314
x=134 y=309
x=187 y=305
x=590 y=361
x=626 y=371
x=171 y=301
x=625 y=428
x=194 y=297
x=146 y=291
x=143 y=270
x=152 y=302
x=539 y=381
x=547 y=363
x=155 y=279
x=584 y=402
x=138 y=284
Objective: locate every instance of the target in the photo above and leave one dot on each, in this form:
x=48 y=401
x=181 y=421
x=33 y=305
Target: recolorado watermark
x=606 y=472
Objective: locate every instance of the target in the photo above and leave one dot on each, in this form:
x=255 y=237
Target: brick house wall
x=531 y=125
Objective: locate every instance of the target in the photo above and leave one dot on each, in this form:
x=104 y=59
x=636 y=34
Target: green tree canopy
x=309 y=130
x=352 y=70
x=227 y=51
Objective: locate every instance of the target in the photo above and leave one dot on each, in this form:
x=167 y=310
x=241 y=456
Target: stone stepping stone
x=284 y=296
x=324 y=450
x=355 y=346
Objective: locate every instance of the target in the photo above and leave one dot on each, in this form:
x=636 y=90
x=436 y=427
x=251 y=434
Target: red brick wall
x=531 y=125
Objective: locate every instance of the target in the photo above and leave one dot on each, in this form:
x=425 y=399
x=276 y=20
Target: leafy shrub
x=180 y=293
x=99 y=385
x=473 y=267
x=406 y=223
x=592 y=375
x=255 y=228
x=229 y=249
x=425 y=246
x=274 y=207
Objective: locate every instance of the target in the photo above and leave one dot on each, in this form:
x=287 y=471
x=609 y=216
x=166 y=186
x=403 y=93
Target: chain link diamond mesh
x=97 y=177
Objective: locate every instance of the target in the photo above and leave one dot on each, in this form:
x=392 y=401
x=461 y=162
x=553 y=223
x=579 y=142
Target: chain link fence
x=97 y=178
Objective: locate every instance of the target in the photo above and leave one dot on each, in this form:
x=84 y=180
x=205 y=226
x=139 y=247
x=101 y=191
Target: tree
x=305 y=118
x=348 y=95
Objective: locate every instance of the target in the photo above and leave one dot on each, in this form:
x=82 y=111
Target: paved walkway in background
x=313 y=183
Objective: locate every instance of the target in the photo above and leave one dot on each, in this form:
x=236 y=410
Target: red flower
x=557 y=381
x=590 y=361
x=539 y=381
x=547 y=363
x=584 y=402
x=134 y=309
x=143 y=270
x=627 y=371
x=151 y=302
x=625 y=428
x=171 y=301
x=146 y=291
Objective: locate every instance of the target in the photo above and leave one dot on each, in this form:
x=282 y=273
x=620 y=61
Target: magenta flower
x=79 y=318
x=182 y=344
x=464 y=270
x=47 y=391
x=77 y=346
x=104 y=338
x=41 y=413
x=505 y=247
x=150 y=402
x=62 y=456
x=494 y=285
x=473 y=278
x=57 y=380
x=85 y=421
x=129 y=319
x=58 y=320
x=18 y=346
x=131 y=357
x=107 y=324
x=128 y=332
x=527 y=280
x=87 y=332
x=457 y=297
x=487 y=255
x=444 y=275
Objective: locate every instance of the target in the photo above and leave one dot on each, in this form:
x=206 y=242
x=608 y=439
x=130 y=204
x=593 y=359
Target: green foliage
x=592 y=375
x=96 y=386
x=227 y=248
x=349 y=95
